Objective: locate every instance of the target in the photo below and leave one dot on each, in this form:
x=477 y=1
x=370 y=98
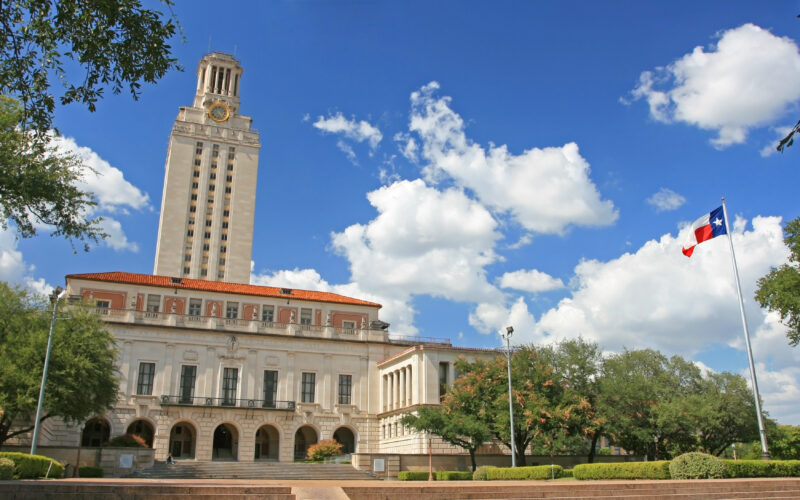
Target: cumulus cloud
x=545 y=190
x=116 y=236
x=665 y=200
x=112 y=191
x=651 y=297
x=748 y=79
x=358 y=131
x=532 y=281
x=14 y=269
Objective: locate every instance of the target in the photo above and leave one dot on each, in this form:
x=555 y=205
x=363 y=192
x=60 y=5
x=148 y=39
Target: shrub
x=128 y=441
x=696 y=465
x=324 y=449
x=33 y=466
x=412 y=475
x=535 y=472
x=762 y=468
x=6 y=469
x=623 y=470
x=480 y=472
x=87 y=471
x=452 y=475
x=566 y=473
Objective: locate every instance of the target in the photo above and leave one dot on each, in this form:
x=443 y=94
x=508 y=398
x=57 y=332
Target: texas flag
x=706 y=227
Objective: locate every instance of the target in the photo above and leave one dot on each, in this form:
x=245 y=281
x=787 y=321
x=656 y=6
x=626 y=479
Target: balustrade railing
x=264 y=404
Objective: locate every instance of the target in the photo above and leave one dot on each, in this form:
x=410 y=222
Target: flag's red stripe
x=703 y=233
x=688 y=251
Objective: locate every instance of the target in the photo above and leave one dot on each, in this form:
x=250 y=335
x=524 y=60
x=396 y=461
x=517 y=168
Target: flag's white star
x=717 y=222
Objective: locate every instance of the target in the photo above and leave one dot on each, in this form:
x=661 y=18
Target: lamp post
x=430 y=457
x=507 y=336
x=55 y=297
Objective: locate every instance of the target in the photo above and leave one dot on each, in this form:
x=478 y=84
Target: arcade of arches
x=184 y=437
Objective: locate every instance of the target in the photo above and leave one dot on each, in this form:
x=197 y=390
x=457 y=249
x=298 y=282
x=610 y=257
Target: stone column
x=409 y=386
x=402 y=387
x=397 y=389
x=169 y=360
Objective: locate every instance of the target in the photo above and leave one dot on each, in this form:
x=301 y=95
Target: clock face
x=218 y=112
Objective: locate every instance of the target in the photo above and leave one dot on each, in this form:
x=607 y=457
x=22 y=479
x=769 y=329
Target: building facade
x=223 y=371
x=205 y=229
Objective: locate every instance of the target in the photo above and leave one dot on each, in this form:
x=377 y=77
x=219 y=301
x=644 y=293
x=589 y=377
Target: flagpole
x=761 y=430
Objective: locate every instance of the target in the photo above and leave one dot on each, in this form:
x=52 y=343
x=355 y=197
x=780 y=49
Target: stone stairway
x=186 y=469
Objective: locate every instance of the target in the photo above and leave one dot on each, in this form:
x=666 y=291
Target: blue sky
x=472 y=165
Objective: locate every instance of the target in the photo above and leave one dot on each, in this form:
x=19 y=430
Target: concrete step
x=251 y=470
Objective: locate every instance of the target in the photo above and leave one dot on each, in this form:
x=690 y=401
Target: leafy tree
x=38 y=184
x=451 y=424
x=114 y=44
x=81 y=379
x=779 y=290
x=785 y=442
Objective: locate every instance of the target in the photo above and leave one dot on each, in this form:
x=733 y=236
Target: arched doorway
x=95 y=433
x=345 y=437
x=226 y=443
x=303 y=438
x=267 y=441
x=143 y=429
x=182 y=438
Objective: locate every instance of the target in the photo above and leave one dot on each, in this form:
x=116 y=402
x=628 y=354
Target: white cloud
x=116 y=236
x=358 y=131
x=112 y=190
x=532 y=281
x=545 y=190
x=665 y=200
x=424 y=241
x=14 y=269
x=772 y=147
x=749 y=79
x=651 y=297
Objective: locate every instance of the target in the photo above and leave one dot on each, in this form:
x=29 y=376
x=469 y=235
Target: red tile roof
x=218 y=286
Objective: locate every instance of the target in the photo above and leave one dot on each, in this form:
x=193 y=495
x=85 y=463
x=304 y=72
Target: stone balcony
x=238 y=325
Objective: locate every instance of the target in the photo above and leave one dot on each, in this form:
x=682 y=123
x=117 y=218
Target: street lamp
x=55 y=297
x=507 y=336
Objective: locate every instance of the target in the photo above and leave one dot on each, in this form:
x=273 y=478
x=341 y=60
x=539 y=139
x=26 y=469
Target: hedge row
x=536 y=472
x=33 y=466
x=623 y=470
x=88 y=471
x=762 y=468
x=6 y=469
x=440 y=475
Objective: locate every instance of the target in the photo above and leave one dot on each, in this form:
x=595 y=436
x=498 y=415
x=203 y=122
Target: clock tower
x=205 y=229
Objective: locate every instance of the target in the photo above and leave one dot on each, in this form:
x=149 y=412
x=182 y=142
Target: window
x=230 y=168
x=215 y=151
x=222 y=261
x=194 y=307
x=268 y=313
x=144 y=384
x=221 y=275
x=207 y=235
x=199 y=144
x=349 y=325
x=192 y=209
x=205 y=247
x=224 y=237
x=232 y=311
x=187 y=257
x=208 y=223
x=270 y=388
x=194 y=196
x=211 y=187
x=191 y=220
x=203 y=272
x=228 y=189
x=444 y=368
x=213 y=175
x=345 y=389
x=197 y=161
x=196 y=173
x=190 y=232
x=224 y=225
x=307 y=394
x=230 y=378
x=153 y=301
x=305 y=316
x=195 y=185
x=229 y=178
x=223 y=249
x=226 y=213
x=185 y=270
x=188 y=376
